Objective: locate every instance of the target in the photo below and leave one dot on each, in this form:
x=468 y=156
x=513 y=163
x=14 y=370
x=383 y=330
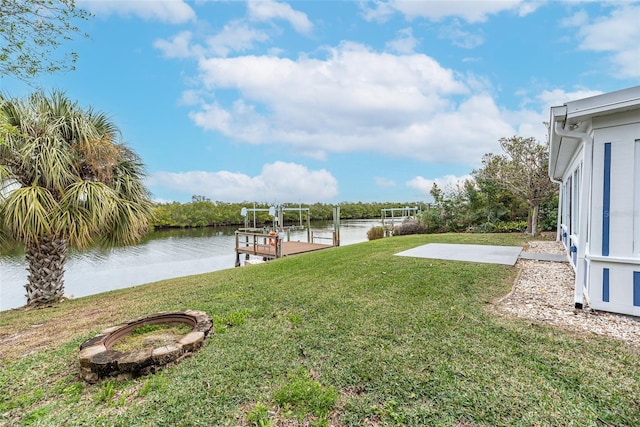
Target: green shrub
x=375 y=233
x=486 y=227
x=510 y=227
x=548 y=219
x=431 y=221
x=411 y=226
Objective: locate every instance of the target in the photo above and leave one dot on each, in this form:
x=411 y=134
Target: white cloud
x=577 y=19
x=617 y=34
x=178 y=47
x=170 y=11
x=376 y=10
x=610 y=33
x=446 y=183
x=241 y=121
x=353 y=100
x=527 y=7
x=530 y=121
x=459 y=37
x=266 y=10
x=404 y=43
x=279 y=181
x=551 y=98
x=469 y=10
x=190 y=97
x=236 y=36
x=628 y=62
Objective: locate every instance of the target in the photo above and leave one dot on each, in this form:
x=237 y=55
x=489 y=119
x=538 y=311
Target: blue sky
x=331 y=101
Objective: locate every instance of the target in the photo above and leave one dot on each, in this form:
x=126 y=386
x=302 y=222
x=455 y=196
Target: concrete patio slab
x=507 y=255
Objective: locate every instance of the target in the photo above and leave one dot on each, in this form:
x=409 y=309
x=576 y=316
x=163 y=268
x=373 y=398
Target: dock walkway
x=271 y=247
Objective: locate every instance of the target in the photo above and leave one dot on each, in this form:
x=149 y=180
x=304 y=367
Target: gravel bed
x=543 y=291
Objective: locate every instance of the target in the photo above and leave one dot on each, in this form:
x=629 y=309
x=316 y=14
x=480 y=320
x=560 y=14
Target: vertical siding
x=606 y=199
x=636 y=288
x=612 y=231
x=636 y=195
x=614 y=287
x=605 y=284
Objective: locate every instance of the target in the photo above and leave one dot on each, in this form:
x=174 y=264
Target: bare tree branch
x=32 y=33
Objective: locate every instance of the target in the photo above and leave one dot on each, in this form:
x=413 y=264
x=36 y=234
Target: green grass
x=346 y=336
x=150 y=336
x=302 y=396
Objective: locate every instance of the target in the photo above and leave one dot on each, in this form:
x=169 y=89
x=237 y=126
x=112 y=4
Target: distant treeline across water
x=203 y=213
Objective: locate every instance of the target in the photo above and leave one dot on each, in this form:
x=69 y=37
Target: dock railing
x=321 y=237
x=260 y=244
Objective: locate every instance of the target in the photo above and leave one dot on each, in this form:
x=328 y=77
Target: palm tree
x=66 y=180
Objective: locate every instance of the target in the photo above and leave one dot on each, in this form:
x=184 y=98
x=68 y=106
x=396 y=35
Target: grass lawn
x=345 y=336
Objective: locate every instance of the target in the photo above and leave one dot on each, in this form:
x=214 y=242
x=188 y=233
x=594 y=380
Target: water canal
x=162 y=255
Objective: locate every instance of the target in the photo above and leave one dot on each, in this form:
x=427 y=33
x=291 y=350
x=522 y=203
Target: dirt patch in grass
x=20 y=339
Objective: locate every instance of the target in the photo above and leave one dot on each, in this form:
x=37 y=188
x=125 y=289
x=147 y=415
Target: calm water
x=164 y=255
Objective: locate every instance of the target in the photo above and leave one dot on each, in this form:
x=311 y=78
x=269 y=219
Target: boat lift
x=254 y=241
x=403 y=213
x=277 y=213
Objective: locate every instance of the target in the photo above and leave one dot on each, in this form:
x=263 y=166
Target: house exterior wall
x=613 y=273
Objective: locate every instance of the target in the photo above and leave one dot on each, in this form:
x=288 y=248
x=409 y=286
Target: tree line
x=201 y=212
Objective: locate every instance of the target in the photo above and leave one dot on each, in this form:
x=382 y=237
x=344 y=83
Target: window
x=575 y=201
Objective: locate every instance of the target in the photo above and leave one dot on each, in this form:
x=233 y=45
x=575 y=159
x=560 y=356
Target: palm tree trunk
x=46 y=261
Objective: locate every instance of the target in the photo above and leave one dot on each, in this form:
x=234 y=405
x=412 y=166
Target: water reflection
x=162 y=255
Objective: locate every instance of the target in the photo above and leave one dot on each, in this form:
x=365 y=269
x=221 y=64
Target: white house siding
x=620 y=143
x=636 y=197
x=613 y=277
x=614 y=287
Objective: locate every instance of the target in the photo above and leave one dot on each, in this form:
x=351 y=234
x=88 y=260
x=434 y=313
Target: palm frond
x=88 y=183
x=129 y=224
x=27 y=213
x=87 y=209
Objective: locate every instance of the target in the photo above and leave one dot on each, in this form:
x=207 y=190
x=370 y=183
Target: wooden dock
x=271 y=246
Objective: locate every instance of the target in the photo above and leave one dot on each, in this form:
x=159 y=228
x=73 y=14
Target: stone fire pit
x=99 y=360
